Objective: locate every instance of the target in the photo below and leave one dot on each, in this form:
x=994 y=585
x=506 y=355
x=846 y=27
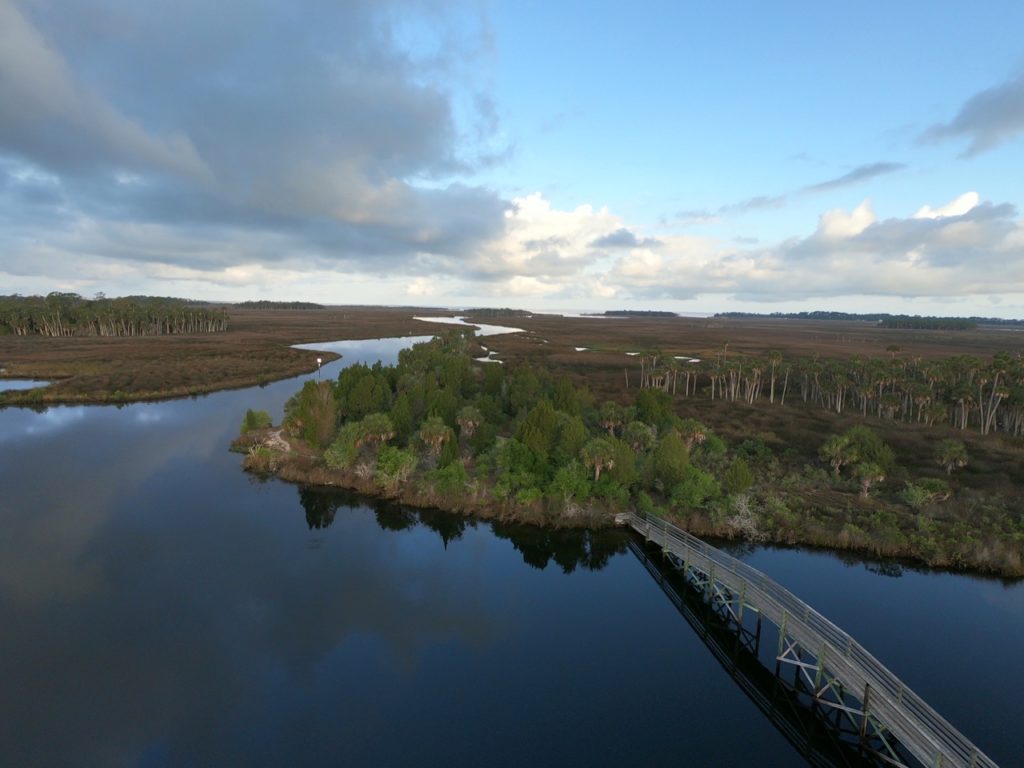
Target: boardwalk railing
x=886 y=704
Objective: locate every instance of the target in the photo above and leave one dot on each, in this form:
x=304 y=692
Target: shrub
x=925 y=491
x=312 y=413
x=394 y=465
x=451 y=480
x=670 y=461
x=571 y=481
x=344 y=451
x=738 y=477
x=696 y=489
x=255 y=420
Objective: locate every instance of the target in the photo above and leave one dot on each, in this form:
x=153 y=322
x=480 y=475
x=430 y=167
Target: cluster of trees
x=68 y=314
x=965 y=392
x=439 y=430
x=264 y=304
x=512 y=435
x=916 y=322
x=639 y=313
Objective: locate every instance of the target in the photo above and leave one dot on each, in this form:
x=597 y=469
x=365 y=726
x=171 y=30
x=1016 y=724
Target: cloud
x=693 y=216
x=155 y=131
x=50 y=117
x=701 y=216
x=758 y=203
x=837 y=224
x=857 y=175
x=989 y=118
x=768 y=202
x=543 y=243
x=624 y=238
x=957 y=207
x=964 y=248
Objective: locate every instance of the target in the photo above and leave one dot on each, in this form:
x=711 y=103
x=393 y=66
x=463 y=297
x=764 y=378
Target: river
x=159 y=607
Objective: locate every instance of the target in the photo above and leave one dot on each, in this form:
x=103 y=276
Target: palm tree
x=950 y=455
x=435 y=433
x=838 y=451
x=598 y=454
x=469 y=419
x=868 y=474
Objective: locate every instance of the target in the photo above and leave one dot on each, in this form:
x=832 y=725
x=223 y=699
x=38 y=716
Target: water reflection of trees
x=539 y=547
x=321 y=505
x=569 y=549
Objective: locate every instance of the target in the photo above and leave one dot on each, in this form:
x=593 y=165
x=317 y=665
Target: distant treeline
x=68 y=314
x=638 y=313
x=884 y=319
x=928 y=323
x=498 y=312
x=263 y=304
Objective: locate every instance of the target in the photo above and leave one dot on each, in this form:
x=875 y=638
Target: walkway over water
x=892 y=723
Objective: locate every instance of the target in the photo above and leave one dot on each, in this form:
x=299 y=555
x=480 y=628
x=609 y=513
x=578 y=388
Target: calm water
x=160 y=607
x=13 y=384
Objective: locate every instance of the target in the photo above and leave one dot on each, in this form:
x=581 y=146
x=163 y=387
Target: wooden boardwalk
x=893 y=722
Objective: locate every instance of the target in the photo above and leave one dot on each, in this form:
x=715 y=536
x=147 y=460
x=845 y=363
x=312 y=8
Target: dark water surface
x=160 y=607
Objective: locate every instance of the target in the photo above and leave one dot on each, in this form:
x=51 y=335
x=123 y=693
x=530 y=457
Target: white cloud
x=838 y=223
x=543 y=242
x=421 y=286
x=956 y=207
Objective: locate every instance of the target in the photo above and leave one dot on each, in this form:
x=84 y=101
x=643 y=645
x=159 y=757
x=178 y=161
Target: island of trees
x=884 y=319
x=638 y=313
x=68 y=314
x=516 y=442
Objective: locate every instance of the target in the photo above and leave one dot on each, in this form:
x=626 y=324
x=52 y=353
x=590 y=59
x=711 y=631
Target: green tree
x=868 y=473
x=565 y=398
x=737 y=478
x=696 y=489
x=693 y=433
x=394 y=466
x=611 y=417
x=572 y=436
x=655 y=407
x=868 y=446
x=344 y=451
x=312 y=413
x=255 y=420
x=539 y=429
x=377 y=429
x=469 y=418
x=838 y=452
x=570 y=482
x=435 y=433
x=401 y=417
x=670 y=461
x=599 y=455
x=639 y=436
x=950 y=455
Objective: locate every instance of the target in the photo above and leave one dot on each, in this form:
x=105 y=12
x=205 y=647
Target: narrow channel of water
x=14 y=384
x=159 y=607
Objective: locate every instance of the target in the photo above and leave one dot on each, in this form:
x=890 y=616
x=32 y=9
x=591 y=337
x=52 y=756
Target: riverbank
x=257 y=348
x=269 y=453
x=871 y=530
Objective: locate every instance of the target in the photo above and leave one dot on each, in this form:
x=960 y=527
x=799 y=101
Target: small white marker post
x=319 y=362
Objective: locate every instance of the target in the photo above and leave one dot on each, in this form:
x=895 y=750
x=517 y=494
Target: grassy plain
x=254 y=350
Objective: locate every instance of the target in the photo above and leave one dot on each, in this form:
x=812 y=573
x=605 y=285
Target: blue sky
x=696 y=157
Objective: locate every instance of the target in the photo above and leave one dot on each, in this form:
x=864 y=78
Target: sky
x=685 y=156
